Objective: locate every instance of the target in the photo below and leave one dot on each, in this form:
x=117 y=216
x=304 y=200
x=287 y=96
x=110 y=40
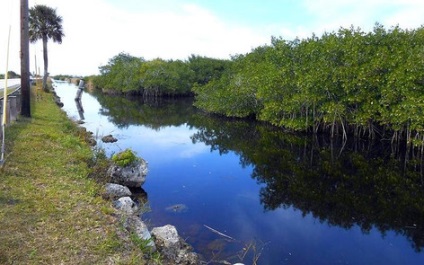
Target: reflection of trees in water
x=345 y=184
x=369 y=184
x=151 y=112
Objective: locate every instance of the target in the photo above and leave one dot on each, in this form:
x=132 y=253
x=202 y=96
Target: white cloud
x=96 y=30
x=189 y=30
x=9 y=19
x=409 y=15
x=330 y=15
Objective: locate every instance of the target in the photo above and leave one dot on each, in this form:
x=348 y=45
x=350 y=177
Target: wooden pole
x=80 y=89
x=6 y=77
x=25 y=84
x=78 y=99
x=5 y=110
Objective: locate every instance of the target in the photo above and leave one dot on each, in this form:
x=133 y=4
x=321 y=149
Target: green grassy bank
x=51 y=211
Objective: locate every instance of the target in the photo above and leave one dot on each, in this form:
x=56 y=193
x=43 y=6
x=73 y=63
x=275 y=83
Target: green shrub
x=124 y=158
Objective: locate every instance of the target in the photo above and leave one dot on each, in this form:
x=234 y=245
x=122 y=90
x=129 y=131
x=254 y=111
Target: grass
x=51 y=212
x=9 y=91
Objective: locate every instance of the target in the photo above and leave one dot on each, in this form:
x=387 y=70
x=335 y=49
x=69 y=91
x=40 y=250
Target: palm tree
x=45 y=24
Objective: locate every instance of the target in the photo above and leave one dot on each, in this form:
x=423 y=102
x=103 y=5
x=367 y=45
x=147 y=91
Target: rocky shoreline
x=165 y=239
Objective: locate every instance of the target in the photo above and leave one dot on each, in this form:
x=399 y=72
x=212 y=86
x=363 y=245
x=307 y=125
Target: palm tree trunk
x=25 y=81
x=46 y=63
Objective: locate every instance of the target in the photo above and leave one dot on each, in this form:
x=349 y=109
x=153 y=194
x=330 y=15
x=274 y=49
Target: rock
x=91 y=141
x=133 y=175
x=139 y=195
x=109 y=139
x=88 y=136
x=115 y=191
x=58 y=102
x=126 y=205
x=167 y=241
x=57 y=99
x=133 y=224
x=177 y=208
x=189 y=258
x=172 y=247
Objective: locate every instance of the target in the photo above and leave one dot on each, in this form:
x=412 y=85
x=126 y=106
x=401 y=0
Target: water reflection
x=80 y=109
x=363 y=184
x=153 y=113
x=344 y=184
x=319 y=200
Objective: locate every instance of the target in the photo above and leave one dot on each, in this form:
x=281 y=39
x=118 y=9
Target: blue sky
x=97 y=30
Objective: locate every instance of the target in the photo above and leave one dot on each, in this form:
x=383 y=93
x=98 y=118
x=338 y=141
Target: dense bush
x=127 y=74
x=10 y=74
x=346 y=82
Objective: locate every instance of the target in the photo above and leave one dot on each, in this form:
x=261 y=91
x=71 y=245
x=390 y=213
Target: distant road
x=10 y=82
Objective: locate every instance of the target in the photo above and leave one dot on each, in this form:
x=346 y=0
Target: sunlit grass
x=51 y=212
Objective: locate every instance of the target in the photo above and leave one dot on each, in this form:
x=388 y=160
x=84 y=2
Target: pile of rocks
x=165 y=239
x=57 y=98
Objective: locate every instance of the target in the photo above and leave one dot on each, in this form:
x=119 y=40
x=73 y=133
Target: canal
x=274 y=197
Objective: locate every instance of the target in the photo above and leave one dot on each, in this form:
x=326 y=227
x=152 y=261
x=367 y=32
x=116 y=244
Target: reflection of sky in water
x=167 y=143
x=220 y=193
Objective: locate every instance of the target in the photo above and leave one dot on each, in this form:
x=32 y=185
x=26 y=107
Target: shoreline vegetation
x=347 y=83
x=51 y=211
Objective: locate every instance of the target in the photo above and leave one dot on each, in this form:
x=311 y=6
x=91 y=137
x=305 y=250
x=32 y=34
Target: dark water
x=274 y=197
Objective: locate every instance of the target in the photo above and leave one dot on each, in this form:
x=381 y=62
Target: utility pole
x=25 y=82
